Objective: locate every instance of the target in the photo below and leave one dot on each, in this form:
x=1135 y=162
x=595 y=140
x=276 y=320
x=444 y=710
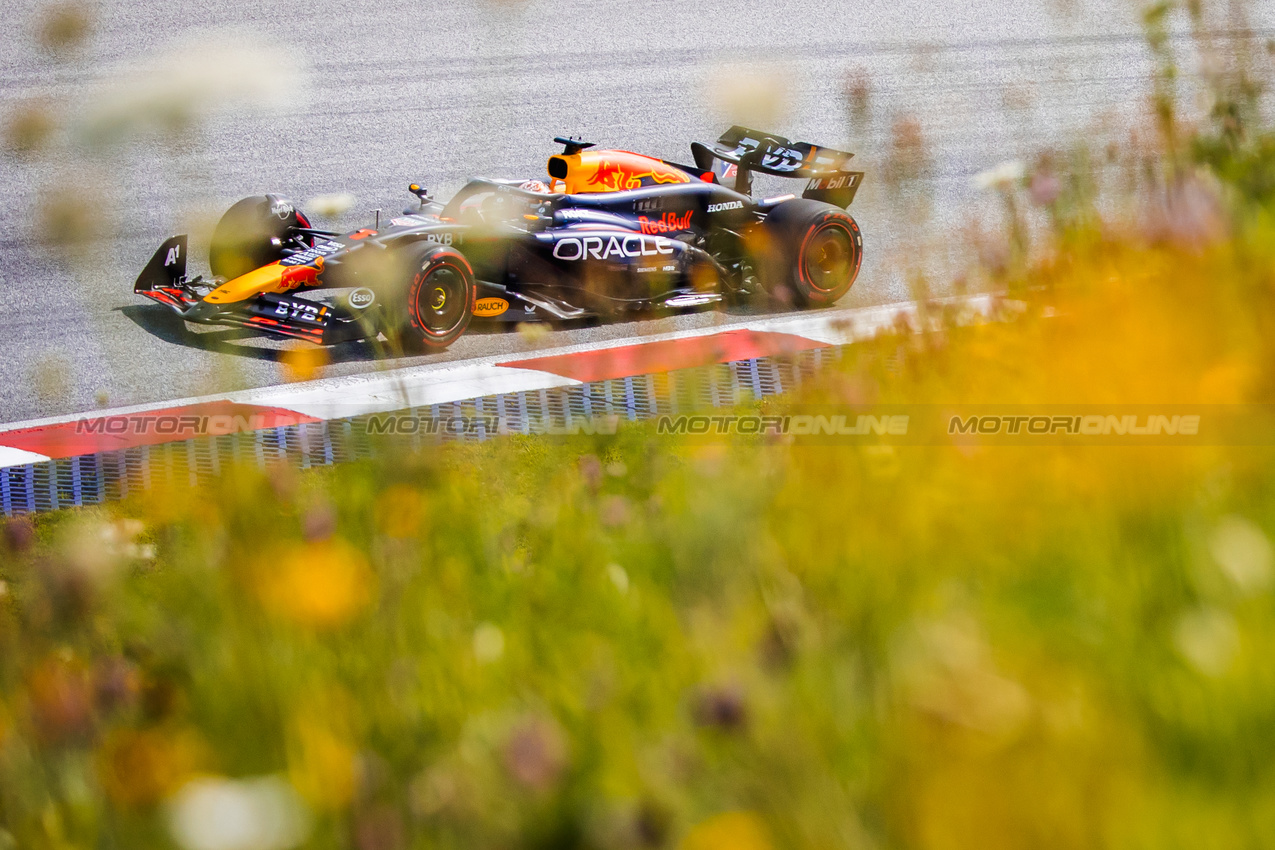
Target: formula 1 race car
x=611 y=232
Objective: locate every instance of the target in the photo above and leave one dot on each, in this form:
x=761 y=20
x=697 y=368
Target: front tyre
x=821 y=250
x=439 y=301
x=254 y=233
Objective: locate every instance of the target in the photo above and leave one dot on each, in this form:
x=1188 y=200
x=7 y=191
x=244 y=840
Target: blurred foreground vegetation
x=629 y=641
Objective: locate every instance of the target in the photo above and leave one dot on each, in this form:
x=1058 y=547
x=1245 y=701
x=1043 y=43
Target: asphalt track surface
x=373 y=97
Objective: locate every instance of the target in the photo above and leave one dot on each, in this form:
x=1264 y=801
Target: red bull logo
x=667 y=223
x=298 y=277
x=630 y=172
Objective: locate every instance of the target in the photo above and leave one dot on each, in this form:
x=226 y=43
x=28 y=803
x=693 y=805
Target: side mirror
x=420 y=192
x=537 y=222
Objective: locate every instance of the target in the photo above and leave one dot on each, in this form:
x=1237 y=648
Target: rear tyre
x=818 y=252
x=253 y=233
x=437 y=301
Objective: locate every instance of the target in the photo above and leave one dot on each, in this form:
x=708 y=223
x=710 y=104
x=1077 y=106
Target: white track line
x=18 y=457
x=442 y=383
x=360 y=395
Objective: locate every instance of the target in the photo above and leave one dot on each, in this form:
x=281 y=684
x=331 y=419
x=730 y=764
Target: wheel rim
x=829 y=258
x=441 y=303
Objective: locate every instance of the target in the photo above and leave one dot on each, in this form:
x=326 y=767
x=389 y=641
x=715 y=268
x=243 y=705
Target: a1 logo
x=174 y=254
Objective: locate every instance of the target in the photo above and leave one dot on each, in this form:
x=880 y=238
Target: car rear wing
x=740 y=152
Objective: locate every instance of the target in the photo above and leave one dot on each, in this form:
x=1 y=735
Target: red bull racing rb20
x=609 y=233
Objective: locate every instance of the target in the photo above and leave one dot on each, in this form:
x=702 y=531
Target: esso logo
x=362 y=298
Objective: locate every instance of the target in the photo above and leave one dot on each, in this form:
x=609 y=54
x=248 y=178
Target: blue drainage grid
x=110 y=476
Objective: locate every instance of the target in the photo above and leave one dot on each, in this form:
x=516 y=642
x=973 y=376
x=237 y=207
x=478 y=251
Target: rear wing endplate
x=741 y=151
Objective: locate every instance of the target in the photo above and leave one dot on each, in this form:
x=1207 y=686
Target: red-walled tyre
x=439 y=298
x=820 y=250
